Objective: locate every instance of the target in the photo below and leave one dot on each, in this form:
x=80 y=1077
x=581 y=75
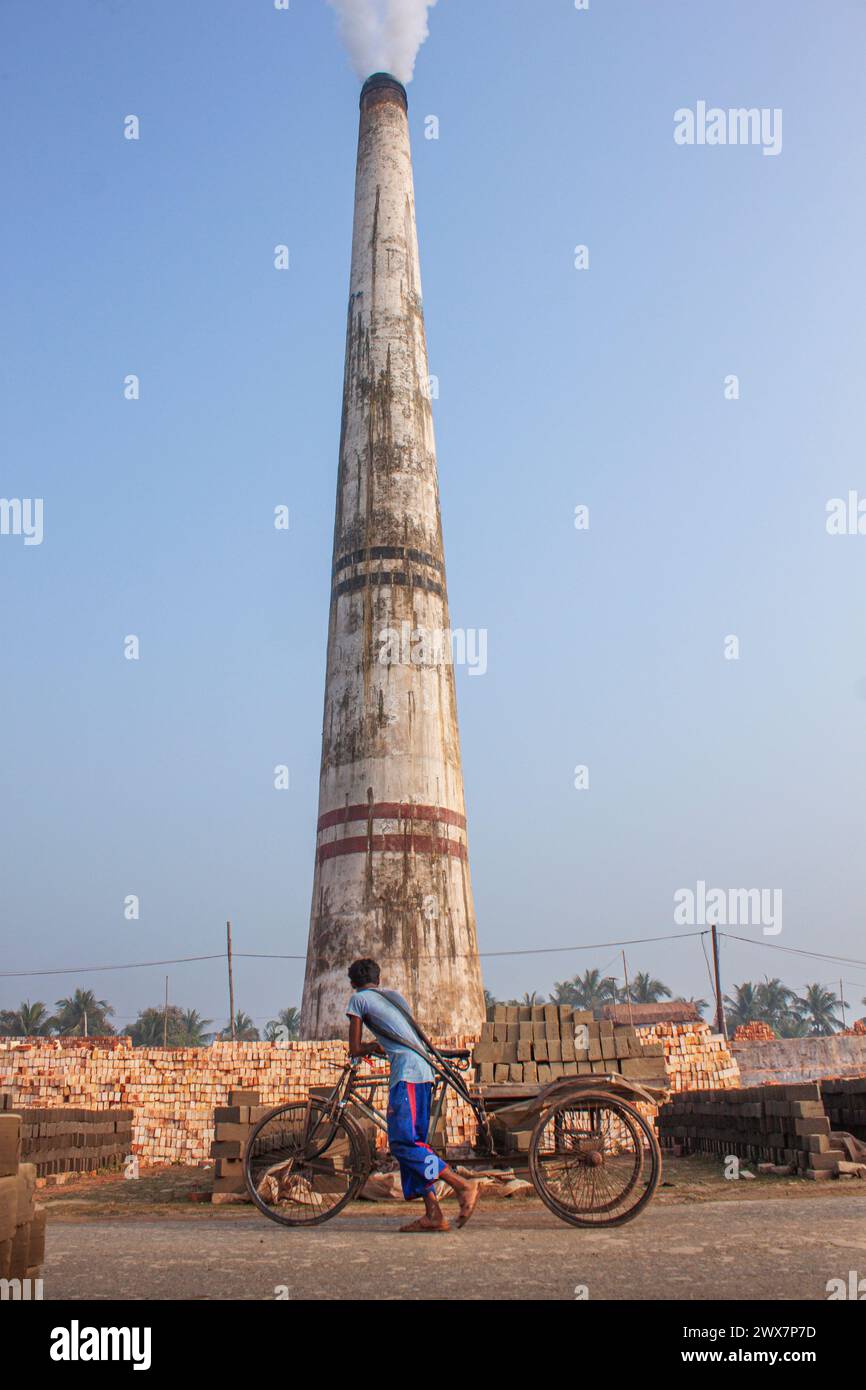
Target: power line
x=796 y=951
x=255 y=955
x=594 y=945
x=486 y=955
x=92 y=969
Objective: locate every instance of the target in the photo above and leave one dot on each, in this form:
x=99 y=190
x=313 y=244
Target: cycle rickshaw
x=593 y=1158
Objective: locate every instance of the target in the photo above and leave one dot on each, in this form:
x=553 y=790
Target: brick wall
x=172 y=1092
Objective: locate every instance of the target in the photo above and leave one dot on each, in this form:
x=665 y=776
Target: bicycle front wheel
x=303 y=1167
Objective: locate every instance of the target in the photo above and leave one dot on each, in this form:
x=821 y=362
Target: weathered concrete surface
x=759 y=1249
x=799 y=1059
x=392 y=872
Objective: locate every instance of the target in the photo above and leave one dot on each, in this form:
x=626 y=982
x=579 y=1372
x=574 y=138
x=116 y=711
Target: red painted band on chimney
x=391 y=810
x=391 y=844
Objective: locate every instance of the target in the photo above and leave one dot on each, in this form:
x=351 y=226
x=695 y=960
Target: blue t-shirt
x=372 y=1009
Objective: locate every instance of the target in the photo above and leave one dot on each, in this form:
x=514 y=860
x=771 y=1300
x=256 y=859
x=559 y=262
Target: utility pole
x=842 y=1002
x=85 y=1023
x=627 y=991
x=720 y=1011
x=231 y=980
x=165 y=1017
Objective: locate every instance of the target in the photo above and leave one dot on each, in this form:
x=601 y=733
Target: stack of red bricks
x=784 y=1125
x=756 y=1031
x=173 y=1092
x=539 y=1043
x=696 y=1059
x=22 y=1223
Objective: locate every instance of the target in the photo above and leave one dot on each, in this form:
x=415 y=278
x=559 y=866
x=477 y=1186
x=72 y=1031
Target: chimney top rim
x=385 y=81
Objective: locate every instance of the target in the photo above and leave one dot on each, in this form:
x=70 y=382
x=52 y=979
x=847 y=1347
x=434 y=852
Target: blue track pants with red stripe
x=408 y=1122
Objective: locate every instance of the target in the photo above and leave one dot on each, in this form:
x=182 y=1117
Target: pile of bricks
x=63 y=1139
x=696 y=1059
x=173 y=1092
x=756 y=1031
x=536 y=1044
x=785 y=1126
x=22 y=1223
x=845 y=1104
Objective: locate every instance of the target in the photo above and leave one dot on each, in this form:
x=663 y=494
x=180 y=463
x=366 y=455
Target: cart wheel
x=594 y=1160
x=301 y=1167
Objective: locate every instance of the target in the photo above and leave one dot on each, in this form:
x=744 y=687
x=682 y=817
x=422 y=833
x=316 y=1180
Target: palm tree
x=245 y=1029
x=171 y=1027
x=743 y=1007
x=27 y=1021
x=283 y=1028
x=156 y=1024
x=82 y=1014
x=195 y=1028
x=795 y=1026
x=775 y=1001
x=816 y=1007
x=587 y=992
x=531 y=999
x=645 y=990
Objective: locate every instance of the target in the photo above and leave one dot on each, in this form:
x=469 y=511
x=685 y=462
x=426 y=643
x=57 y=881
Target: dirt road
x=762 y=1248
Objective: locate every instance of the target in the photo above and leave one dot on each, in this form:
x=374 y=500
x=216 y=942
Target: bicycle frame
x=349 y=1088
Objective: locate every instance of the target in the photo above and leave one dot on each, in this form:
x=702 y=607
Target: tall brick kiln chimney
x=392 y=870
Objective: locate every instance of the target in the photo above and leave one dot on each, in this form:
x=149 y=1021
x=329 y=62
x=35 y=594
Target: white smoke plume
x=383 y=35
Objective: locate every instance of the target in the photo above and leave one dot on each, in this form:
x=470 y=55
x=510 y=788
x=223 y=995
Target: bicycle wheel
x=301 y=1167
x=594 y=1160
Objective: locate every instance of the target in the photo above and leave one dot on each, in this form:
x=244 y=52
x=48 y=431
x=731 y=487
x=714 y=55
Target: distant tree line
x=83 y=1015
x=816 y=1013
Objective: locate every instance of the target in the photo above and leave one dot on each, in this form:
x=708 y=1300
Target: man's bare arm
x=357 y=1048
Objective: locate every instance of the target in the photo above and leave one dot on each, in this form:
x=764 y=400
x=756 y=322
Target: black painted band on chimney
x=383 y=87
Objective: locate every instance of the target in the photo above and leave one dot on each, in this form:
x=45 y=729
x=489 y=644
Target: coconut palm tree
x=645 y=990
x=531 y=999
x=82 y=1014
x=588 y=991
x=27 y=1021
x=776 y=1003
x=817 y=1009
x=195 y=1028
x=172 y=1027
x=283 y=1028
x=155 y=1025
x=245 y=1029
x=743 y=1006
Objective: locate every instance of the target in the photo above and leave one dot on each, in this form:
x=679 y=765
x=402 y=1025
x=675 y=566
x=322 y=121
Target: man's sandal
x=471 y=1203
x=421 y=1227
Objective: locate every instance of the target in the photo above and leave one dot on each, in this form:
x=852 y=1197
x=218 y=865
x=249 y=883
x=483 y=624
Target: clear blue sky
x=558 y=387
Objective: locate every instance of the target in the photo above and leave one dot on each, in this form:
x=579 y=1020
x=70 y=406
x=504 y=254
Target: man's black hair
x=363 y=972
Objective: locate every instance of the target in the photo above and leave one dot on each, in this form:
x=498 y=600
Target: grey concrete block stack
x=539 y=1043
